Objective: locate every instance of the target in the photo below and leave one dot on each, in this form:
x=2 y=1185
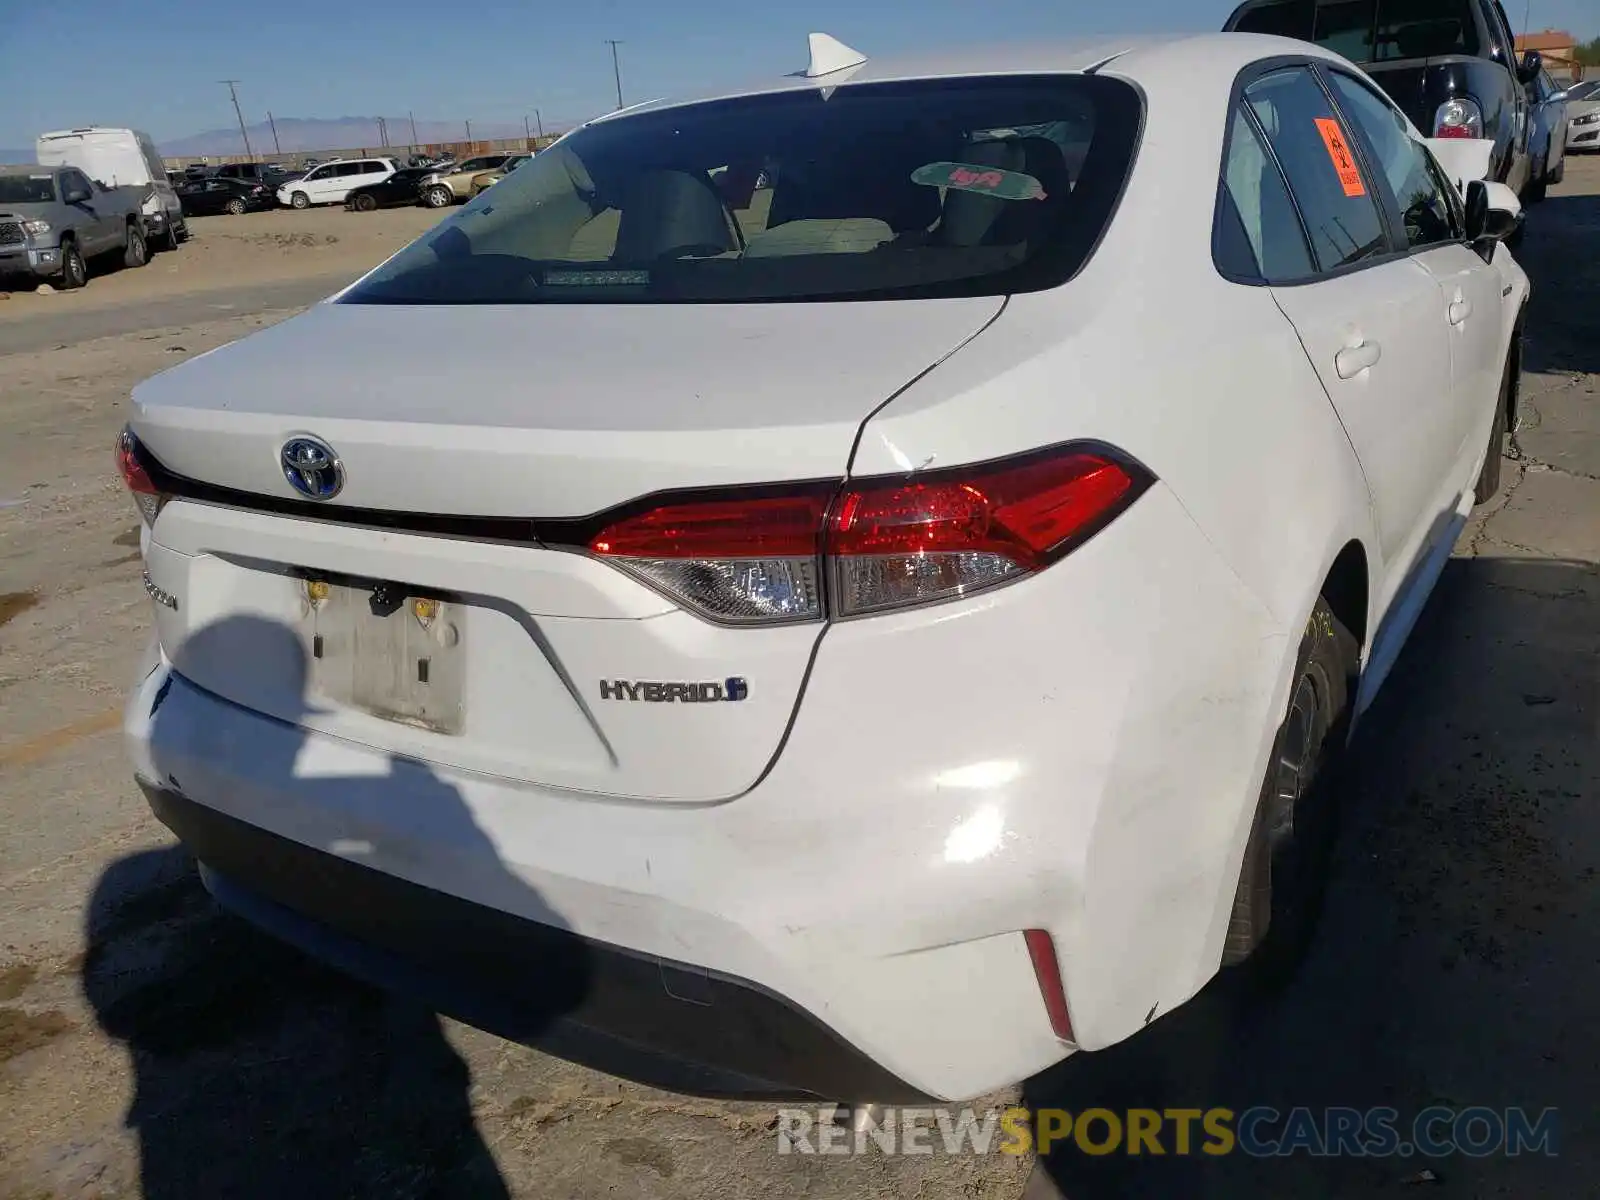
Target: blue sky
x=155 y=67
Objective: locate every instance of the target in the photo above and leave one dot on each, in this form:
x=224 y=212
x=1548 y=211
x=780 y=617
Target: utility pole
x=538 y=122
x=383 y=133
x=238 y=112
x=276 y=149
x=469 y=131
x=616 y=68
x=413 y=118
x=527 y=134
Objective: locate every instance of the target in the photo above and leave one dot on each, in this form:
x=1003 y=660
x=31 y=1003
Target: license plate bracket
x=388 y=649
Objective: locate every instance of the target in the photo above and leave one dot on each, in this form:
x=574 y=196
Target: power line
x=616 y=67
x=238 y=112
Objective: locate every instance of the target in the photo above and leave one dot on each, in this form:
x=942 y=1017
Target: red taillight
x=746 y=560
x=1458 y=118
x=907 y=542
x=146 y=496
x=1042 y=950
x=880 y=544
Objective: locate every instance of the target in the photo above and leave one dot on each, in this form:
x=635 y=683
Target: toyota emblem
x=312 y=468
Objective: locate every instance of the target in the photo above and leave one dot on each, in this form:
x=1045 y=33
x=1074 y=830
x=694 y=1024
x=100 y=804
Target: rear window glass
x=954 y=187
x=1367 y=31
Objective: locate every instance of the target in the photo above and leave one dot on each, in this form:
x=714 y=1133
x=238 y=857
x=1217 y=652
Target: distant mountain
x=298 y=134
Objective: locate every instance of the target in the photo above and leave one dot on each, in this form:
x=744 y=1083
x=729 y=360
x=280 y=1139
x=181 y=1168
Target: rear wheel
x=236 y=206
x=366 y=203
x=300 y=200
x=438 y=196
x=74 y=272
x=135 y=251
x=1285 y=867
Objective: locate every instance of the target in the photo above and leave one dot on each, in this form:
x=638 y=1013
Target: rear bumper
x=670 y=1024
x=1037 y=757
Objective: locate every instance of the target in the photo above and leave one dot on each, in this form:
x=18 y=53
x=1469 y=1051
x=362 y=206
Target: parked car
x=833 y=734
x=270 y=175
x=210 y=197
x=490 y=178
x=1547 y=148
x=403 y=187
x=53 y=220
x=453 y=182
x=1451 y=65
x=332 y=182
x=118 y=158
x=1583 y=116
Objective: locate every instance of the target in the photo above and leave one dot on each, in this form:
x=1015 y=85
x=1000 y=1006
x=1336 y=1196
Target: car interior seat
x=665 y=214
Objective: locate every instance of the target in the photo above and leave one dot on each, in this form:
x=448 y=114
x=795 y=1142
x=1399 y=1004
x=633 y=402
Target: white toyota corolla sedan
x=846 y=587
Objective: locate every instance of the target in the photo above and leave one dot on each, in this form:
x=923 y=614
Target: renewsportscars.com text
x=1260 y=1132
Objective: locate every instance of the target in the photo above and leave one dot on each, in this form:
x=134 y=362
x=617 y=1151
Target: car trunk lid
x=474 y=646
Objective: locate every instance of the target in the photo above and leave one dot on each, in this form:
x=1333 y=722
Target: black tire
x=135 y=250
x=236 y=207
x=438 y=196
x=170 y=238
x=74 y=271
x=1537 y=185
x=1488 y=484
x=1284 y=874
x=181 y=233
x=366 y=203
x=300 y=200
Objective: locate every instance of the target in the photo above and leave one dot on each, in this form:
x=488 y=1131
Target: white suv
x=862 y=589
x=332 y=182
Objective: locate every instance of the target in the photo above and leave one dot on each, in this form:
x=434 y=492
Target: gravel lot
x=151 y=1046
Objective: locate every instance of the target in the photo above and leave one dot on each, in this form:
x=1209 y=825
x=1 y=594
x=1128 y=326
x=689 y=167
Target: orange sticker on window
x=1344 y=162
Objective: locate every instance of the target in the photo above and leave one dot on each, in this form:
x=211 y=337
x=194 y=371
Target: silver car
x=1583 y=115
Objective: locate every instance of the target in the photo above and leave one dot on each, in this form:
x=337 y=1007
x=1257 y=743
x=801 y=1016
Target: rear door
x=1424 y=206
x=1372 y=320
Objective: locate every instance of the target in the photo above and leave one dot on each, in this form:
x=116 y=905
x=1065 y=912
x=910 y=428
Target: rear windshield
x=27 y=189
x=1366 y=31
x=950 y=187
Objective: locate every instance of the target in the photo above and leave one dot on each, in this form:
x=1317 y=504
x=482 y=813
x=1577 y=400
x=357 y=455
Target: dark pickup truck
x=1450 y=65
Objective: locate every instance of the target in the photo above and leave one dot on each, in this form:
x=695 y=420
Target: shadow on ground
x=1459 y=954
x=1561 y=253
x=258 y=1072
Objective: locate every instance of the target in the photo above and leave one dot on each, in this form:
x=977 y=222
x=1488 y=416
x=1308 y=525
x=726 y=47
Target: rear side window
x=1328 y=182
x=1259 y=235
x=881 y=191
x=1367 y=31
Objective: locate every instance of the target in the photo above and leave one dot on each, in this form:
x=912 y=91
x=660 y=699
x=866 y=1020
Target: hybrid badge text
x=733 y=688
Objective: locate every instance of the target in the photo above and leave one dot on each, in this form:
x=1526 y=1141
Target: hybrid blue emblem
x=312 y=468
x=660 y=692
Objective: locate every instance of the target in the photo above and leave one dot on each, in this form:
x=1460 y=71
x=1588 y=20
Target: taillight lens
x=871 y=545
x=748 y=560
x=1458 y=118
x=905 y=542
x=146 y=496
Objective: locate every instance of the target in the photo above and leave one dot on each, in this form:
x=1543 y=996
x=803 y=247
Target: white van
x=332 y=182
x=121 y=158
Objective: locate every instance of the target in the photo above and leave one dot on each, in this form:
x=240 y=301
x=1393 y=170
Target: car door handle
x=1353 y=360
x=1460 y=310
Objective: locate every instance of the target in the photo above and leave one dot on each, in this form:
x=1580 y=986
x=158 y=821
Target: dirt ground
x=236 y=252
x=153 y=1047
